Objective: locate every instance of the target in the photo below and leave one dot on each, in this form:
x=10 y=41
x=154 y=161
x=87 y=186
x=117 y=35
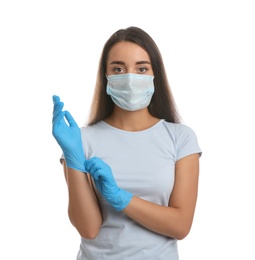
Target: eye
x=118 y=70
x=142 y=70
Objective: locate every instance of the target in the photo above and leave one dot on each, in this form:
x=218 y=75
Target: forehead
x=127 y=51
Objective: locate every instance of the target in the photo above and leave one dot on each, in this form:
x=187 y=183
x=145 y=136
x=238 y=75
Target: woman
x=133 y=194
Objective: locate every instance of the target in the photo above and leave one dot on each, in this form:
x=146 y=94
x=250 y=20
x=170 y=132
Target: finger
x=89 y=165
x=57 y=109
x=94 y=172
x=59 y=117
x=57 y=121
x=70 y=119
x=90 y=162
x=58 y=106
x=95 y=175
x=55 y=99
x=92 y=168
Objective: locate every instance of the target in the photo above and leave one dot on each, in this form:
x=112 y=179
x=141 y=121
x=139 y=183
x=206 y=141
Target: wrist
x=78 y=165
x=75 y=160
x=122 y=200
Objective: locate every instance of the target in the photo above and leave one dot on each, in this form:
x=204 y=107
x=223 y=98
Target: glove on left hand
x=68 y=136
x=106 y=184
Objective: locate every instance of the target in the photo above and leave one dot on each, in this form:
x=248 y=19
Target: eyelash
x=119 y=69
x=144 y=69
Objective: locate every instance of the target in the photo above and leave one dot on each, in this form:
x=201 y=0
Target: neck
x=131 y=120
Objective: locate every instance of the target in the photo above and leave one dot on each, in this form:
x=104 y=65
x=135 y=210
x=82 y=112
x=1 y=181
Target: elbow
x=181 y=235
x=179 y=231
x=88 y=234
x=87 y=231
x=182 y=232
x=181 y=228
x=87 y=228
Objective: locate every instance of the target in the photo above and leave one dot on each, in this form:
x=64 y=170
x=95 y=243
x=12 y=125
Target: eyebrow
x=123 y=63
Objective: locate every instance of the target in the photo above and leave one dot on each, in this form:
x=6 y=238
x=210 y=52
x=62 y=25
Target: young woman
x=132 y=172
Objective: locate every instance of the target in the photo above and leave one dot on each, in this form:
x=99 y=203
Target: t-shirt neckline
x=132 y=132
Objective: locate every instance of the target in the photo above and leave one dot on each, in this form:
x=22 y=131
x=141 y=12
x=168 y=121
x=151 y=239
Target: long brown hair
x=162 y=104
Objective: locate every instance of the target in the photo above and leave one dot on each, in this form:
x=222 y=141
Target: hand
x=68 y=136
x=106 y=184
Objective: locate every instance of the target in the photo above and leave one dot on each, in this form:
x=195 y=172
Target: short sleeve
x=186 y=142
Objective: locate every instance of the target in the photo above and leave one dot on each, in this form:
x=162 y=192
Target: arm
x=176 y=219
x=83 y=208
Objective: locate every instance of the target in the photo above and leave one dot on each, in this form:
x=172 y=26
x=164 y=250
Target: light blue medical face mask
x=130 y=91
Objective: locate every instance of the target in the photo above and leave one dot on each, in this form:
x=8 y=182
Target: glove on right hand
x=68 y=136
x=106 y=184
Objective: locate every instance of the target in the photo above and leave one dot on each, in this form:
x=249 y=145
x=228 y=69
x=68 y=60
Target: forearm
x=84 y=212
x=167 y=221
x=176 y=219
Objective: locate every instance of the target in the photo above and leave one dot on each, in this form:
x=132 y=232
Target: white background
x=53 y=47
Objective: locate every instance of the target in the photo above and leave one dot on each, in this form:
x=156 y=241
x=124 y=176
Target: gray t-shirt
x=142 y=163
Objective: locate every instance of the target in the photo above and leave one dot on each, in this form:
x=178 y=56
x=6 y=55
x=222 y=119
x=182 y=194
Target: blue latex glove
x=106 y=184
x=68 y=136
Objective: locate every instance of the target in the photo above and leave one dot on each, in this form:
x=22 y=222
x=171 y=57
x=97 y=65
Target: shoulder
x=185 y=139
x=92 y=128
x=178 y=129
